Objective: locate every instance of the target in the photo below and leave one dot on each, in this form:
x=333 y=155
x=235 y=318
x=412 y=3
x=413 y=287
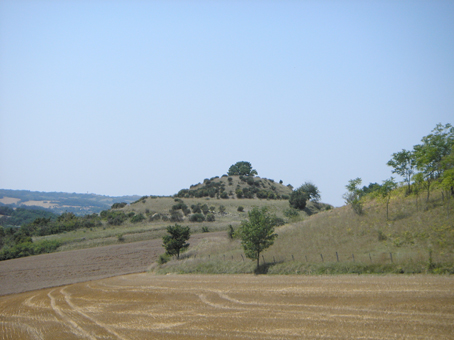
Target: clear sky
x=149 y=97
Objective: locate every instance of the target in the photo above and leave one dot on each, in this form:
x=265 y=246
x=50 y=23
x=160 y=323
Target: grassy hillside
x=151 y=227
x=418 y=237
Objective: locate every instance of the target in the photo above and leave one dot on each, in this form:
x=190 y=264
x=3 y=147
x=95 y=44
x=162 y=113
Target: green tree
x=298 y=199
x=175 y=242
x=242 y=168
x=257 y=233
x=385 y=191
x=311 y=190
x=353 y=196
x=430 y=154
x=403 y=164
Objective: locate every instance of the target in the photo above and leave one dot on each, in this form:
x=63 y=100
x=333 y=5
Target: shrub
x=163 y=258
x=197 y=217
x=221 y=209
x=231 y=232
x=224 y=195
x=205 y=230
x=119 y=205
x=120 y=238
x=176 y=216
x=240 y=208
x=137 y=218
x=210 y=217
x=291 y=212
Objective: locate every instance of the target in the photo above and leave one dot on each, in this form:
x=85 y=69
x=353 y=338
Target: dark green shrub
x=210 y=217
x=240 y=208
x=231 y=232
x=163 y=258
x=224 y=195
x=205 y=230
x=137 y=218
x=119 y=205
x=221 y=209
x=120 y=238
x=198 y=217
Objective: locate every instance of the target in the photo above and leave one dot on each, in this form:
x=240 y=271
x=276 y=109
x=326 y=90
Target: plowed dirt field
x=146 y=306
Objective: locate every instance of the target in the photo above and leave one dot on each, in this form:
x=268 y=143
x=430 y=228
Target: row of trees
x=430 y=162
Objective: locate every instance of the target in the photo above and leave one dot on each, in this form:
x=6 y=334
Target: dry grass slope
x=413 y=240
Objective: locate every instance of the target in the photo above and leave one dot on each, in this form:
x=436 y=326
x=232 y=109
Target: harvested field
x=147 y=306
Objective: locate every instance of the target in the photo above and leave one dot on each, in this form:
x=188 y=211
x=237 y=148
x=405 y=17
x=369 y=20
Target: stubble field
x=147 y=306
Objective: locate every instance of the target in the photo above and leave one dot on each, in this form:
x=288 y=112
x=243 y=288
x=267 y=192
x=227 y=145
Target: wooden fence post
x=370 y=257
x=353 y=257
x=337 y=255
x=242 y=257
x=305 y=257
x=293 y=258
x=391 y=256
x=263 y=258
x=321 y=255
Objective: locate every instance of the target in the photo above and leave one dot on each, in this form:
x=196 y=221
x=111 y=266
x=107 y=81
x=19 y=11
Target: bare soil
x=147 y=306
x=62 y=268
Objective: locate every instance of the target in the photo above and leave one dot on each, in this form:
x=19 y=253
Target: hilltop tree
x=257 y=233
x=311 y=190
x=403 y=164
x=176 y=241
x=242 y=169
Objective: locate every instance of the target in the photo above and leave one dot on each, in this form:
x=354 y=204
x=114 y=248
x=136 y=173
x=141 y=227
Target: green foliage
x=28 y=248
x=385 y=191
x=163 y=258
x=242 y=168
x=175 y=242
x=222 y=209
x=196 y=208
x=231 y=232
x=137 y=218
x=403 y=164
x=257 y=233
x=175 y=216
x=298 y=199
x=240 y=208
x=22 y=216
x=311 y=190
x=197 y=217
x=291 y=213
x=205 y=229
x=119 y=205
x=211 y=217
x=120 y=238
x=353 y=196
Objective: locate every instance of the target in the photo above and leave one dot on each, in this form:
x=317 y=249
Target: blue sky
x=149 y=97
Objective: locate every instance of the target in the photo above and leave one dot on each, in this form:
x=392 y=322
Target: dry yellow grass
x=145 y=306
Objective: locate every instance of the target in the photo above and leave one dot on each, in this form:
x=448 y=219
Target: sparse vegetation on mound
x=411 y=240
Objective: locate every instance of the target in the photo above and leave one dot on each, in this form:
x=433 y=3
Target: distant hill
x=60 y=202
